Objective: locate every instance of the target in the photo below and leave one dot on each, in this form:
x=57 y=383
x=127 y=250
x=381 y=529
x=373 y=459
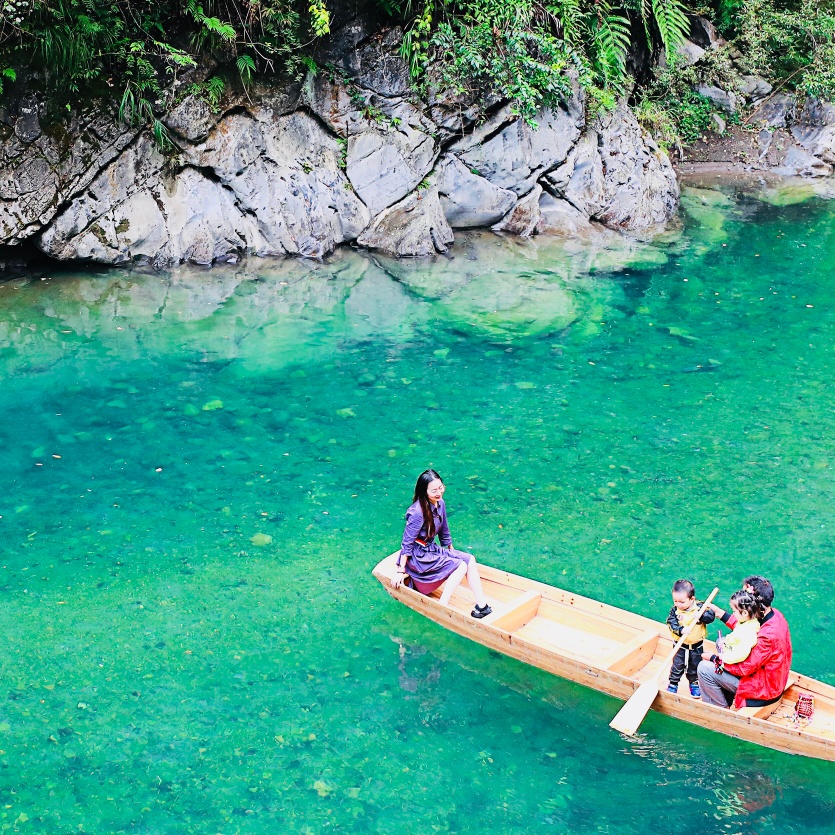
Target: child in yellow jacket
x=685 y=608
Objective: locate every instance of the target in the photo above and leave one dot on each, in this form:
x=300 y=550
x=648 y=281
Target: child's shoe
x=672 y=688
x=695 y=690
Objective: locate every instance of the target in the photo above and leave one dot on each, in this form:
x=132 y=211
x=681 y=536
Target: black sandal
x=481 y=611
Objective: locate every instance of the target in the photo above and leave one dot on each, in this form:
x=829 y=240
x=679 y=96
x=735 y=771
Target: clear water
x=202 y=468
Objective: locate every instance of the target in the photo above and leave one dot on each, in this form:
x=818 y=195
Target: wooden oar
x=631 y=715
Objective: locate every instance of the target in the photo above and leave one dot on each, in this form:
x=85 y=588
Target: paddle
x=631 y=715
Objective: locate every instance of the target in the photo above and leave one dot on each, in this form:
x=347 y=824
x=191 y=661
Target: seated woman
x=426 y=564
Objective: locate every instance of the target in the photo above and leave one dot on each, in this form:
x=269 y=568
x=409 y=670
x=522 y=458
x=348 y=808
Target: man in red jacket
x=761 y=678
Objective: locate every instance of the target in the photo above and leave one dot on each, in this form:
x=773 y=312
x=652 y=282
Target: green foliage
x=138 y=47
x=784 y=39
x=526 y=49
x=6 y=74
x=672 y=110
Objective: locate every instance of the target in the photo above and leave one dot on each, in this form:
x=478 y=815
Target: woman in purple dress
x=429 y=564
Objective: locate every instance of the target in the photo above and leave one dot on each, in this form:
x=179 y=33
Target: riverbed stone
x=802 y=163
x=467 y=199
x=523 y=218
x=413 y=227
x=559 y=217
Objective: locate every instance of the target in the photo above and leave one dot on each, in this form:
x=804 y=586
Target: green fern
x=671 y=19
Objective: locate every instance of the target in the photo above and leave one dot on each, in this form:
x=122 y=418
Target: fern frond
x=672 y=24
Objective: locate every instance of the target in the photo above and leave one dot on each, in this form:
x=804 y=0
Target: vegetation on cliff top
x=134 y=50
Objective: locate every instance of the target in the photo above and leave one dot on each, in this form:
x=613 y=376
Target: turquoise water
x=202 y=468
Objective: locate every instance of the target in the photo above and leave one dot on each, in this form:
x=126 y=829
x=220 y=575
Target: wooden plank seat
x=633 y=655
x=515 y=613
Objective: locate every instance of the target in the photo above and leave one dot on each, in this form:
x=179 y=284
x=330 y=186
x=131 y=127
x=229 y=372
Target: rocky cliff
x=298 y=168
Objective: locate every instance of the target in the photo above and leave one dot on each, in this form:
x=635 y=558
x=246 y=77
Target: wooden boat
x=613 y=651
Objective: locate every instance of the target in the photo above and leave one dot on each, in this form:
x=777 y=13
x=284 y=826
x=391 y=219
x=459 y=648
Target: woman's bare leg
x=474 y=582
x=453 y=581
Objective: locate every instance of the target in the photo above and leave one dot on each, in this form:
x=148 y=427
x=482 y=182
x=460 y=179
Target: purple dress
x=429 y=562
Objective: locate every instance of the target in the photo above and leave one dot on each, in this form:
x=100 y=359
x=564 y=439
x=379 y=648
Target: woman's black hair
x=748 y=603
x=423 y=482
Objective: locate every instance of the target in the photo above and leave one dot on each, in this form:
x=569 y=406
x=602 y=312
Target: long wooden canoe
x=613 y=651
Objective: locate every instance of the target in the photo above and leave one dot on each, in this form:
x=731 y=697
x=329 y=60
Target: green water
x=608 y=417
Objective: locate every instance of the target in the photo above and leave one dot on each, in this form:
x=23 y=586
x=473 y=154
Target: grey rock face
x=818 y=113
x=192 y=119
x=804 y=164
x=754 y=87
x=413 y=227
x=518 y=155
x=616 y=174
x=777 y=112
x=817 y=141
x=721 y=98
x=301 y=167
x=523 y=218
x=639 y=182
x=467 y=199
x=40 y=170
x=559 y=217
x=269 y=188
x=385 y=165
x=580 y=180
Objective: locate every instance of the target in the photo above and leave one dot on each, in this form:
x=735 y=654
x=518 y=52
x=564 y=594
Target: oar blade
x=631 y=715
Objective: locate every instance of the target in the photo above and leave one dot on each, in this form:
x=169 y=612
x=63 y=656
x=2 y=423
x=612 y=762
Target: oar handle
x=687 y=631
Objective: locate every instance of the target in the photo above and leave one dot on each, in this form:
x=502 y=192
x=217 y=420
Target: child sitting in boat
x=685 y=608
x=737 y=646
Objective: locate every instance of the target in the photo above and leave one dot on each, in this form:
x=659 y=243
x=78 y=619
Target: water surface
x=202 y=467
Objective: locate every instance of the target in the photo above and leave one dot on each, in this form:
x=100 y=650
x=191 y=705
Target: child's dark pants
x=677 y=670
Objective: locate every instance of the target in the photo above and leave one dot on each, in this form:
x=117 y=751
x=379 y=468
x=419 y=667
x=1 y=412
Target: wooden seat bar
x=516 y=613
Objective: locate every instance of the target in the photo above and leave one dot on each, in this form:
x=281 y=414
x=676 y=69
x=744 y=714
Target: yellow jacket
x=740 y=642
x=679 y=621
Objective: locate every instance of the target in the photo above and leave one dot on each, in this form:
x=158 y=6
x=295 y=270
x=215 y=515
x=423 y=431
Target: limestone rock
x=581 y=179
x=191 y=119
x=817 y=113
x=329 y=100
x=381 y=68
x=519 y=155
x=721 y=98
x=523 y=218
x=805 y=164
x=687 y=54
x=256 y=184
x=704 y=33
x=639 y=182
x=414 y=226
x=467 y=199
x=384 y=165
x=43 y=166
x=753 y=87
x=559 y=217
x=776 y=112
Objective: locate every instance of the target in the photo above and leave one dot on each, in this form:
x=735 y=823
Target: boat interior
x=546 y=619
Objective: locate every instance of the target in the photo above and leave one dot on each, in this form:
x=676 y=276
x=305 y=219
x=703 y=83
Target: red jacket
x=765 y=672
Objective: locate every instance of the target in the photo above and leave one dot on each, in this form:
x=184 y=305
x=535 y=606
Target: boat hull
x=622 y=675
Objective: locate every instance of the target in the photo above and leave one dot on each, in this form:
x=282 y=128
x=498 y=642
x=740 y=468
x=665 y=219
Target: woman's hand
x=398 y=579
